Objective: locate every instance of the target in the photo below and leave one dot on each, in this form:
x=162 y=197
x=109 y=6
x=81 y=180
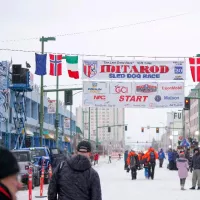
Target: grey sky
x=172 y=37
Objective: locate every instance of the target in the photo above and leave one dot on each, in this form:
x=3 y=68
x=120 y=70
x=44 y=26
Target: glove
x=191 y=170
x=128 y=170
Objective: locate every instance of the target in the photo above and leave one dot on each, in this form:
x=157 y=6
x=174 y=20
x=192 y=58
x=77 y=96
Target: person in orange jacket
x=151 y=157
x=133 y=164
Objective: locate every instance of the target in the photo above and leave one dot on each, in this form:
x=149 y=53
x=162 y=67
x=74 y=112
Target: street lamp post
x=163 y=131
x=43 y=40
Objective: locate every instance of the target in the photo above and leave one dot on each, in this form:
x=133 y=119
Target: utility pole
x=71 y=127
x=97 y=136
x=83 y=121
x=89 y=125
x=43 y=40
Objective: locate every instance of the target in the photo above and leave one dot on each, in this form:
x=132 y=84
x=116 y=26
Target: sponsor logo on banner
x=99 y=97
x=172 y=88
x=146 y=88
x=146 y=70
x=158 y=98
x=121 y=89
x=171 y=98
x=94 y=88
x=90 y=68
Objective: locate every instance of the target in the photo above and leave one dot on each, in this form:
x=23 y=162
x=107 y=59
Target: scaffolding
x=19 y=105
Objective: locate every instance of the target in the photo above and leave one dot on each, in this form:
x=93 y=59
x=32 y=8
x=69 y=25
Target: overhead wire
x=96 y=55
x=103 y=29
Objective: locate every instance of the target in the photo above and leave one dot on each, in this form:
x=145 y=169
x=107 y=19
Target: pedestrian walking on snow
x=195 y=168
x=183 y=168
x=75 y=179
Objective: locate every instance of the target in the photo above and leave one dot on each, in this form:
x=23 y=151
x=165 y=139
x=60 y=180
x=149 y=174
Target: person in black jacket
x=9 y=169
x=75 y=179
x=195 y=168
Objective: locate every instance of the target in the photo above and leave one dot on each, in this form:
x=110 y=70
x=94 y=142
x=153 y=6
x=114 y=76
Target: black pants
x=151 y=170
x=125 y=166
x=134 y=173
x=182 y=181
x=109 y=161
x=161 y=162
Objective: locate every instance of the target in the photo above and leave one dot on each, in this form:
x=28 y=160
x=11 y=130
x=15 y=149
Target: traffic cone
x=41 y=183
x=30 y=183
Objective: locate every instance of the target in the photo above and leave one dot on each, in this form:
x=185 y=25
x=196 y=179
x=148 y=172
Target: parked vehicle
x=25 y=160
x=41 y=155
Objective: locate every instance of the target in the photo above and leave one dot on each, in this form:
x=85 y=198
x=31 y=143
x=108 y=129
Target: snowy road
x=117 y=185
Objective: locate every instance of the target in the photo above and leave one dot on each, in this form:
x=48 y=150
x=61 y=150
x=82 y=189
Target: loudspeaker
x=16 y=69
x=16 y=78
x=23 y=75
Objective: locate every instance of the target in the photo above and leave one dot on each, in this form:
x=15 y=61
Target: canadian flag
x=195 y=68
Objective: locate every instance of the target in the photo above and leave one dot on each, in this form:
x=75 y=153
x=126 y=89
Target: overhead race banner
x=133 y=70
x=133 y=94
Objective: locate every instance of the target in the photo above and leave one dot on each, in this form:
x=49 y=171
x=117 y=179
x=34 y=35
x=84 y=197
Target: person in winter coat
x=133 y=164
x=125 y=159
x=175 y=157
x=195 y=167
x=96 y=158
x=183 y=168
x=75 y=179
x=9 y=169
x=151 y=157
x=170 y=159
x=161 y=157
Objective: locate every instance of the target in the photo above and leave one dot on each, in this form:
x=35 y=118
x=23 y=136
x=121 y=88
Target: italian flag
x=72 y=66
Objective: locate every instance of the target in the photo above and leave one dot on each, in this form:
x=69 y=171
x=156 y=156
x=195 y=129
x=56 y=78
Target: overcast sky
x=178 y=36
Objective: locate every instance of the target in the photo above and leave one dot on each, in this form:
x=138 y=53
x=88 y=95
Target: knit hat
x=8 y=163
x=84 y=147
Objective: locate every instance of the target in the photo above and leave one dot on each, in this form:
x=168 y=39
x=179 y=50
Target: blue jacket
x=170 y=155
x=125 y=156
x=161 y=155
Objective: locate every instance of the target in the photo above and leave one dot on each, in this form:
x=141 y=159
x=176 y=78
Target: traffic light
x=56 y=123
x=142 y=129
x=157 y=130
x=125 y=128
x=187 y=103
x=109 y=129
x=68 y=97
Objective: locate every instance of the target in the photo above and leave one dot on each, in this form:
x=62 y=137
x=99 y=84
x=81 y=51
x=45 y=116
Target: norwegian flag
x=195 y=68
x=55 y=65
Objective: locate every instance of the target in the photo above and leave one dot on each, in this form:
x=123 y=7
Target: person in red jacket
x=151 y=157
x=96 y=158
x=133 y=164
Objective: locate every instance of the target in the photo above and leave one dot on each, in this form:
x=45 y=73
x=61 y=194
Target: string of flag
x=72 y=63
x=56 y=65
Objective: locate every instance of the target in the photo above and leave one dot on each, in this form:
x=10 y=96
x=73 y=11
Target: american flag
x=55 y=65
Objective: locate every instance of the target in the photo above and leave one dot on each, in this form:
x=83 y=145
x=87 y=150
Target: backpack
x=132 y=161
x=152 y=157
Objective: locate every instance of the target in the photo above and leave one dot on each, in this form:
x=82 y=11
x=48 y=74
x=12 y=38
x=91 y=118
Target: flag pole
x=41 y=119
x=41 y=98
x=57 y=108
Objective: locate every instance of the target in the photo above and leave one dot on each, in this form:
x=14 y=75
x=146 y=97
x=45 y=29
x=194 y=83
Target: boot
x=192 y=188
x=182 y=187
x=198 y=188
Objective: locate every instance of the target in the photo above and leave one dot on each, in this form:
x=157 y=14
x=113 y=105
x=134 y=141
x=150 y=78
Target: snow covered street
x=117 y=184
